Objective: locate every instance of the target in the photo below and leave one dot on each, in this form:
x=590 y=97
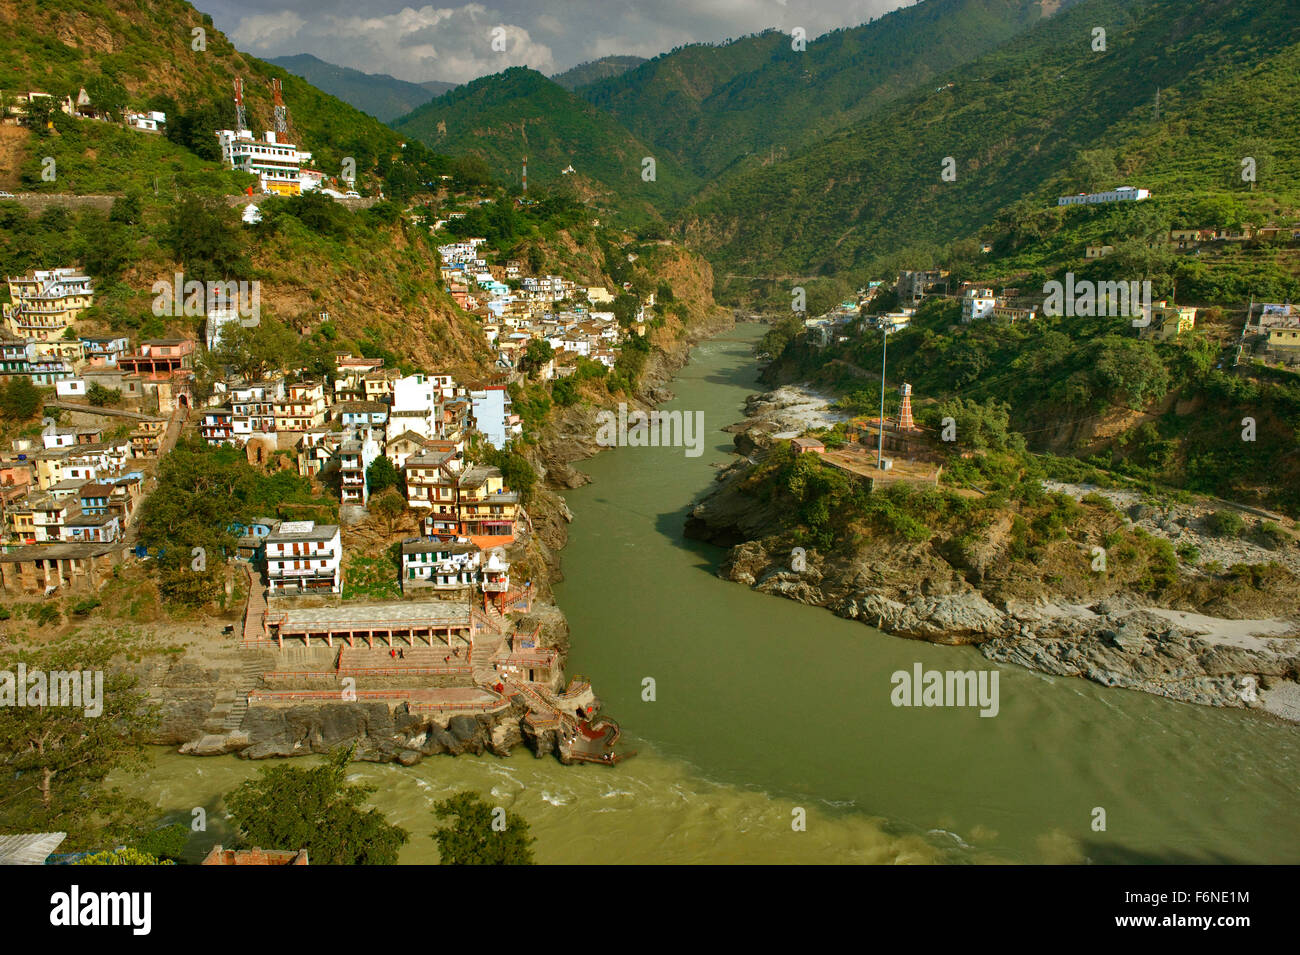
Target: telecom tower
x=241 y=116
x=524 y=177
x=281 y=113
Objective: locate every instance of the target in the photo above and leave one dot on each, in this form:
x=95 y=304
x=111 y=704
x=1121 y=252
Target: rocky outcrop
x=911 y=589
x=380 y=733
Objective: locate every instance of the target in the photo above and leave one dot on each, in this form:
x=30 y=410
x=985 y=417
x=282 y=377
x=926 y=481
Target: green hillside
x=519 y=112
x=596 y=70
x=140 y=54
x=1041 y=116
x=757 y=99
x=378 y=94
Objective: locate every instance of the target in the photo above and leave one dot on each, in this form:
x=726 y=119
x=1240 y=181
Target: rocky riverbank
x=1234 y=644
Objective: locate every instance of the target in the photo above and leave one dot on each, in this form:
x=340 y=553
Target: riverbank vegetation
x=1173 y=413
x=992 y=523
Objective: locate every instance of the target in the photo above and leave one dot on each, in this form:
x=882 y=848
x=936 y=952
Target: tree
x=99 y=396
x=106 y=94
x=315 y=809
x=252 y=351
x=565 y=392
x=123 y=857
x=516 y=472
x=381 y=475
x=54 y=759
x=390 y=506
x=39 y=113
x=537 y=354
x=203 y=232
x=126 y=209
x=20 y=399
x=480 y=834
x=1129 y=371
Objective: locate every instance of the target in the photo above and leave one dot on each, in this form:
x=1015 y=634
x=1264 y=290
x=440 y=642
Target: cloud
x=454 y=44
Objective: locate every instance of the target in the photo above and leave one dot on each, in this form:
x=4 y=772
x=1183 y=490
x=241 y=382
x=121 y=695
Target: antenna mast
x=281 y=111
x=241 y=116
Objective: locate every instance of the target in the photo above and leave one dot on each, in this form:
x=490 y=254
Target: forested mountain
x=595 y=70
x=382 y=96
x=520 y=113
x=757 y=98
x=1043 y=115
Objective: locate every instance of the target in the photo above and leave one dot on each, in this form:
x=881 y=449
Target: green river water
x=764 y=706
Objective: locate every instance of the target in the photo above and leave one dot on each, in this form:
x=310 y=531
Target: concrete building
x=303 y=557
x=976 y=304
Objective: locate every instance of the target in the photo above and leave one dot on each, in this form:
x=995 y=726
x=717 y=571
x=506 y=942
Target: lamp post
x=884 y=350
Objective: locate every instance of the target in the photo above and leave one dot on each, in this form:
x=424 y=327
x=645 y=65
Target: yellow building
x=304 y=407
x=1168 y=321
x=1284 y=342
x=46 y=303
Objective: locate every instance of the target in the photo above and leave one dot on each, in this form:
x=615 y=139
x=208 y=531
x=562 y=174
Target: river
x=766 y=710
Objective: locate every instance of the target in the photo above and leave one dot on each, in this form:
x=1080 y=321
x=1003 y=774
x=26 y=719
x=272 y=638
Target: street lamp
x=880 y=447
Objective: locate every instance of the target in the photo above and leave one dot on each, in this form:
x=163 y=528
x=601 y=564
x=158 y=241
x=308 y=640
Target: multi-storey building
x=218 y=425
x=147 y=437
x=355 y=456
x=304 y=557
x=252 y=408
x=43 y=305
x=977 y=303
x=440 y=565
x=304 y=407
x=485 y=506
x=277 y=165
x=160 y=358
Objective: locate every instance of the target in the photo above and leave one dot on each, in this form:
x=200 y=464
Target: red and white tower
x=905 y=422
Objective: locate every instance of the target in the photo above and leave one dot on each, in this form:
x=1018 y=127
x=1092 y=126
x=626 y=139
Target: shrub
x=1225 y=524
x=1271 y=535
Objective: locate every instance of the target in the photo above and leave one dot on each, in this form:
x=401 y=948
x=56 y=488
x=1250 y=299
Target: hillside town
x=517 y=309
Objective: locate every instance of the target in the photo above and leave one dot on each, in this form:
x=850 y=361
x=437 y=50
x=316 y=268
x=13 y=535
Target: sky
x=455 y=43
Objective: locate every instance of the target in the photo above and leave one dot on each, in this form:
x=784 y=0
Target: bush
x=1225 y=524
x=1271 y=535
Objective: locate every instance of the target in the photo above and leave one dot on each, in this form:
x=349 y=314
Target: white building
x=149 y=122
x=977 y=303
x=491 y=410
x=355 y=457
x=303 y=557
x=70 y=388
x=442 y=565
x=1118 y=194
x=219 y=318
x=277 y=165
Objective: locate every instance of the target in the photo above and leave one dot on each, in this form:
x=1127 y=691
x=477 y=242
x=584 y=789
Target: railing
x=282 y=696
x=405 y=671
x=300 y=675
x=487 y=706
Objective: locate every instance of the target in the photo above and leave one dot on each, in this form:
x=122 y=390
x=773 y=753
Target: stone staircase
x=252 y=666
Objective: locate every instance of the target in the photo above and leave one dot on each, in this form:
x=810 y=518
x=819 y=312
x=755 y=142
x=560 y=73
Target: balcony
x=318 y=573
x=285 y=556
